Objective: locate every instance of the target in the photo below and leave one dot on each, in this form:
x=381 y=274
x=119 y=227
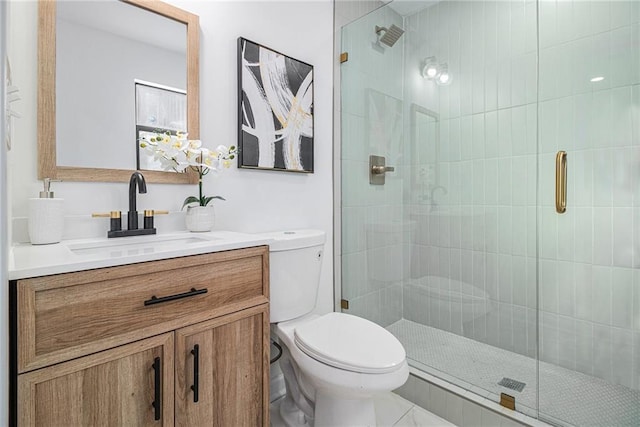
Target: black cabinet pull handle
x=196 y=372
x=157 y=403
x=193 y=292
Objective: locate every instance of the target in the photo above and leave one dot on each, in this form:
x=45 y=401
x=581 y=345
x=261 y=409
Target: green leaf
x=208 y=200
x=189 y=200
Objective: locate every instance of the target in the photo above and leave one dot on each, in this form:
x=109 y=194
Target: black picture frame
x=275 y=118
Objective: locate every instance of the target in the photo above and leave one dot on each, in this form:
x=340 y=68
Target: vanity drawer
x=70 y=315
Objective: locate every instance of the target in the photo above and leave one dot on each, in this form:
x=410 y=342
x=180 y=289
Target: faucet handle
x=115 y=222
x=152 y=212
x=148 y=217
x=112 y=214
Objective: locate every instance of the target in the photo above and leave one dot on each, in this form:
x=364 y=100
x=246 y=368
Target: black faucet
x=136 y=182
x=132 y=216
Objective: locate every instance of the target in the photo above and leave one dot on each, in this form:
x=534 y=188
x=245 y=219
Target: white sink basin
x=128 y=246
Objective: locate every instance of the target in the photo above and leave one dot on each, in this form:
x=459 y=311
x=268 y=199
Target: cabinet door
x=222 y=371
x=115 y=387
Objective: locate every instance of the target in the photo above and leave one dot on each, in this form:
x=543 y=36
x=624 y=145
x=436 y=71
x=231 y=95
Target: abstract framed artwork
x=275 y=110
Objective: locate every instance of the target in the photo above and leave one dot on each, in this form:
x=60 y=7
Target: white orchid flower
x=176 y=152
x=222 y=150
x=193 y=146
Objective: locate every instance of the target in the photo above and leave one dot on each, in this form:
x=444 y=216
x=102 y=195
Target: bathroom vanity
x=149 y=330
x=174 y=336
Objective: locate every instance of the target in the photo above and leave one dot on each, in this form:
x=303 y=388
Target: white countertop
x=26 y=260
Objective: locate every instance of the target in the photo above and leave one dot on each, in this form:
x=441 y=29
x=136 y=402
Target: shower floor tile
x=566 y=395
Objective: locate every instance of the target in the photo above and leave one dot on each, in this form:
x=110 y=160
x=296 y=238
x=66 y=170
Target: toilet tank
x=295 y=258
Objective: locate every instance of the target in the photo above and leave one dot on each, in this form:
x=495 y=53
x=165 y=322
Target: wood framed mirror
x=86 y=166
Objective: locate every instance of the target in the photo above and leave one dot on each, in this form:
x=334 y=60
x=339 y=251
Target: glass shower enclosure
x=490 y=197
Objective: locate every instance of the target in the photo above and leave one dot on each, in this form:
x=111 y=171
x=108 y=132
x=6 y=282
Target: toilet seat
x=351 y=343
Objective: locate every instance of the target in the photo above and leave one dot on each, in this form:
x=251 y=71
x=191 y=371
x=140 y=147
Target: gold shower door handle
x=561 y=182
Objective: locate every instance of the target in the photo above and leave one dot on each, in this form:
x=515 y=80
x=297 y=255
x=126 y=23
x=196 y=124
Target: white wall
x=4 y=241
x=256 y=200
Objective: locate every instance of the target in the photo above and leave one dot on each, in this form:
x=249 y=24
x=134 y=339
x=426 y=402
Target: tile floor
x=563 y=392
x=391 y=411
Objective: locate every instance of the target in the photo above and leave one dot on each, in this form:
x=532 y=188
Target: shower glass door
x=373 y=241
x=503 y=249
x=444 y=253
x=589 y=256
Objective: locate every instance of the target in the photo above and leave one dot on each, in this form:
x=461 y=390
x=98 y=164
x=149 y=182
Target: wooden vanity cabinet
x=217 y=383
x=78 y=366
x=116 y=387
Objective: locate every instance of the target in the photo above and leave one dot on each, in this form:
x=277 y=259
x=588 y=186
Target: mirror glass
x=103 y=48
x=425 y=144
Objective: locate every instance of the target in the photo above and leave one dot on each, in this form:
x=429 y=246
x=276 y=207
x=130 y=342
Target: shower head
x=391 y=34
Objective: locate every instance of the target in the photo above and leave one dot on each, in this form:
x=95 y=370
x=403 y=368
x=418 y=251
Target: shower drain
x=512 y=384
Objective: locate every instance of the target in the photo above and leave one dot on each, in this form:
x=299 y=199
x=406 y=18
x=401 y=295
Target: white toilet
x=333 y=364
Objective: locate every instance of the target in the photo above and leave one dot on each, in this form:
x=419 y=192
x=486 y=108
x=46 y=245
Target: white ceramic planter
x=200 y=218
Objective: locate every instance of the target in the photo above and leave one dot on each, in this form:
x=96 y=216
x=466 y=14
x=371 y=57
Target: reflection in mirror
x=159 y=109
x=383 y=116
x=102 y=48
x=425 y=142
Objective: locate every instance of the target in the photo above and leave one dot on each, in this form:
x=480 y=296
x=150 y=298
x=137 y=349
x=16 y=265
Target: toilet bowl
x=341 y=362
x=333 y=364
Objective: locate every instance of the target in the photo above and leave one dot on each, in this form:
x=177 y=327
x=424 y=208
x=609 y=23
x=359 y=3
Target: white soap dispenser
x=46 y=217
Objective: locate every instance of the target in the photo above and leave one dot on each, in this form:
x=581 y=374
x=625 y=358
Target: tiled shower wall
x=590 y=257
x=482 y=231
x=479 y=234
x=373 y=264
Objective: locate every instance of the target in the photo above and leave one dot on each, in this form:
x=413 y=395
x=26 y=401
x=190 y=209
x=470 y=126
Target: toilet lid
x=350 y=343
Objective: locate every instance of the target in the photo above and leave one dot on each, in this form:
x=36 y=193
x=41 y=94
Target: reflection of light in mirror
x=430 y=70
x=444 y=78
x=597 y=79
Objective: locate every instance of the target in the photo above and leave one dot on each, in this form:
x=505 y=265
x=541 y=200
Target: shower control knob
x=378 y=170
